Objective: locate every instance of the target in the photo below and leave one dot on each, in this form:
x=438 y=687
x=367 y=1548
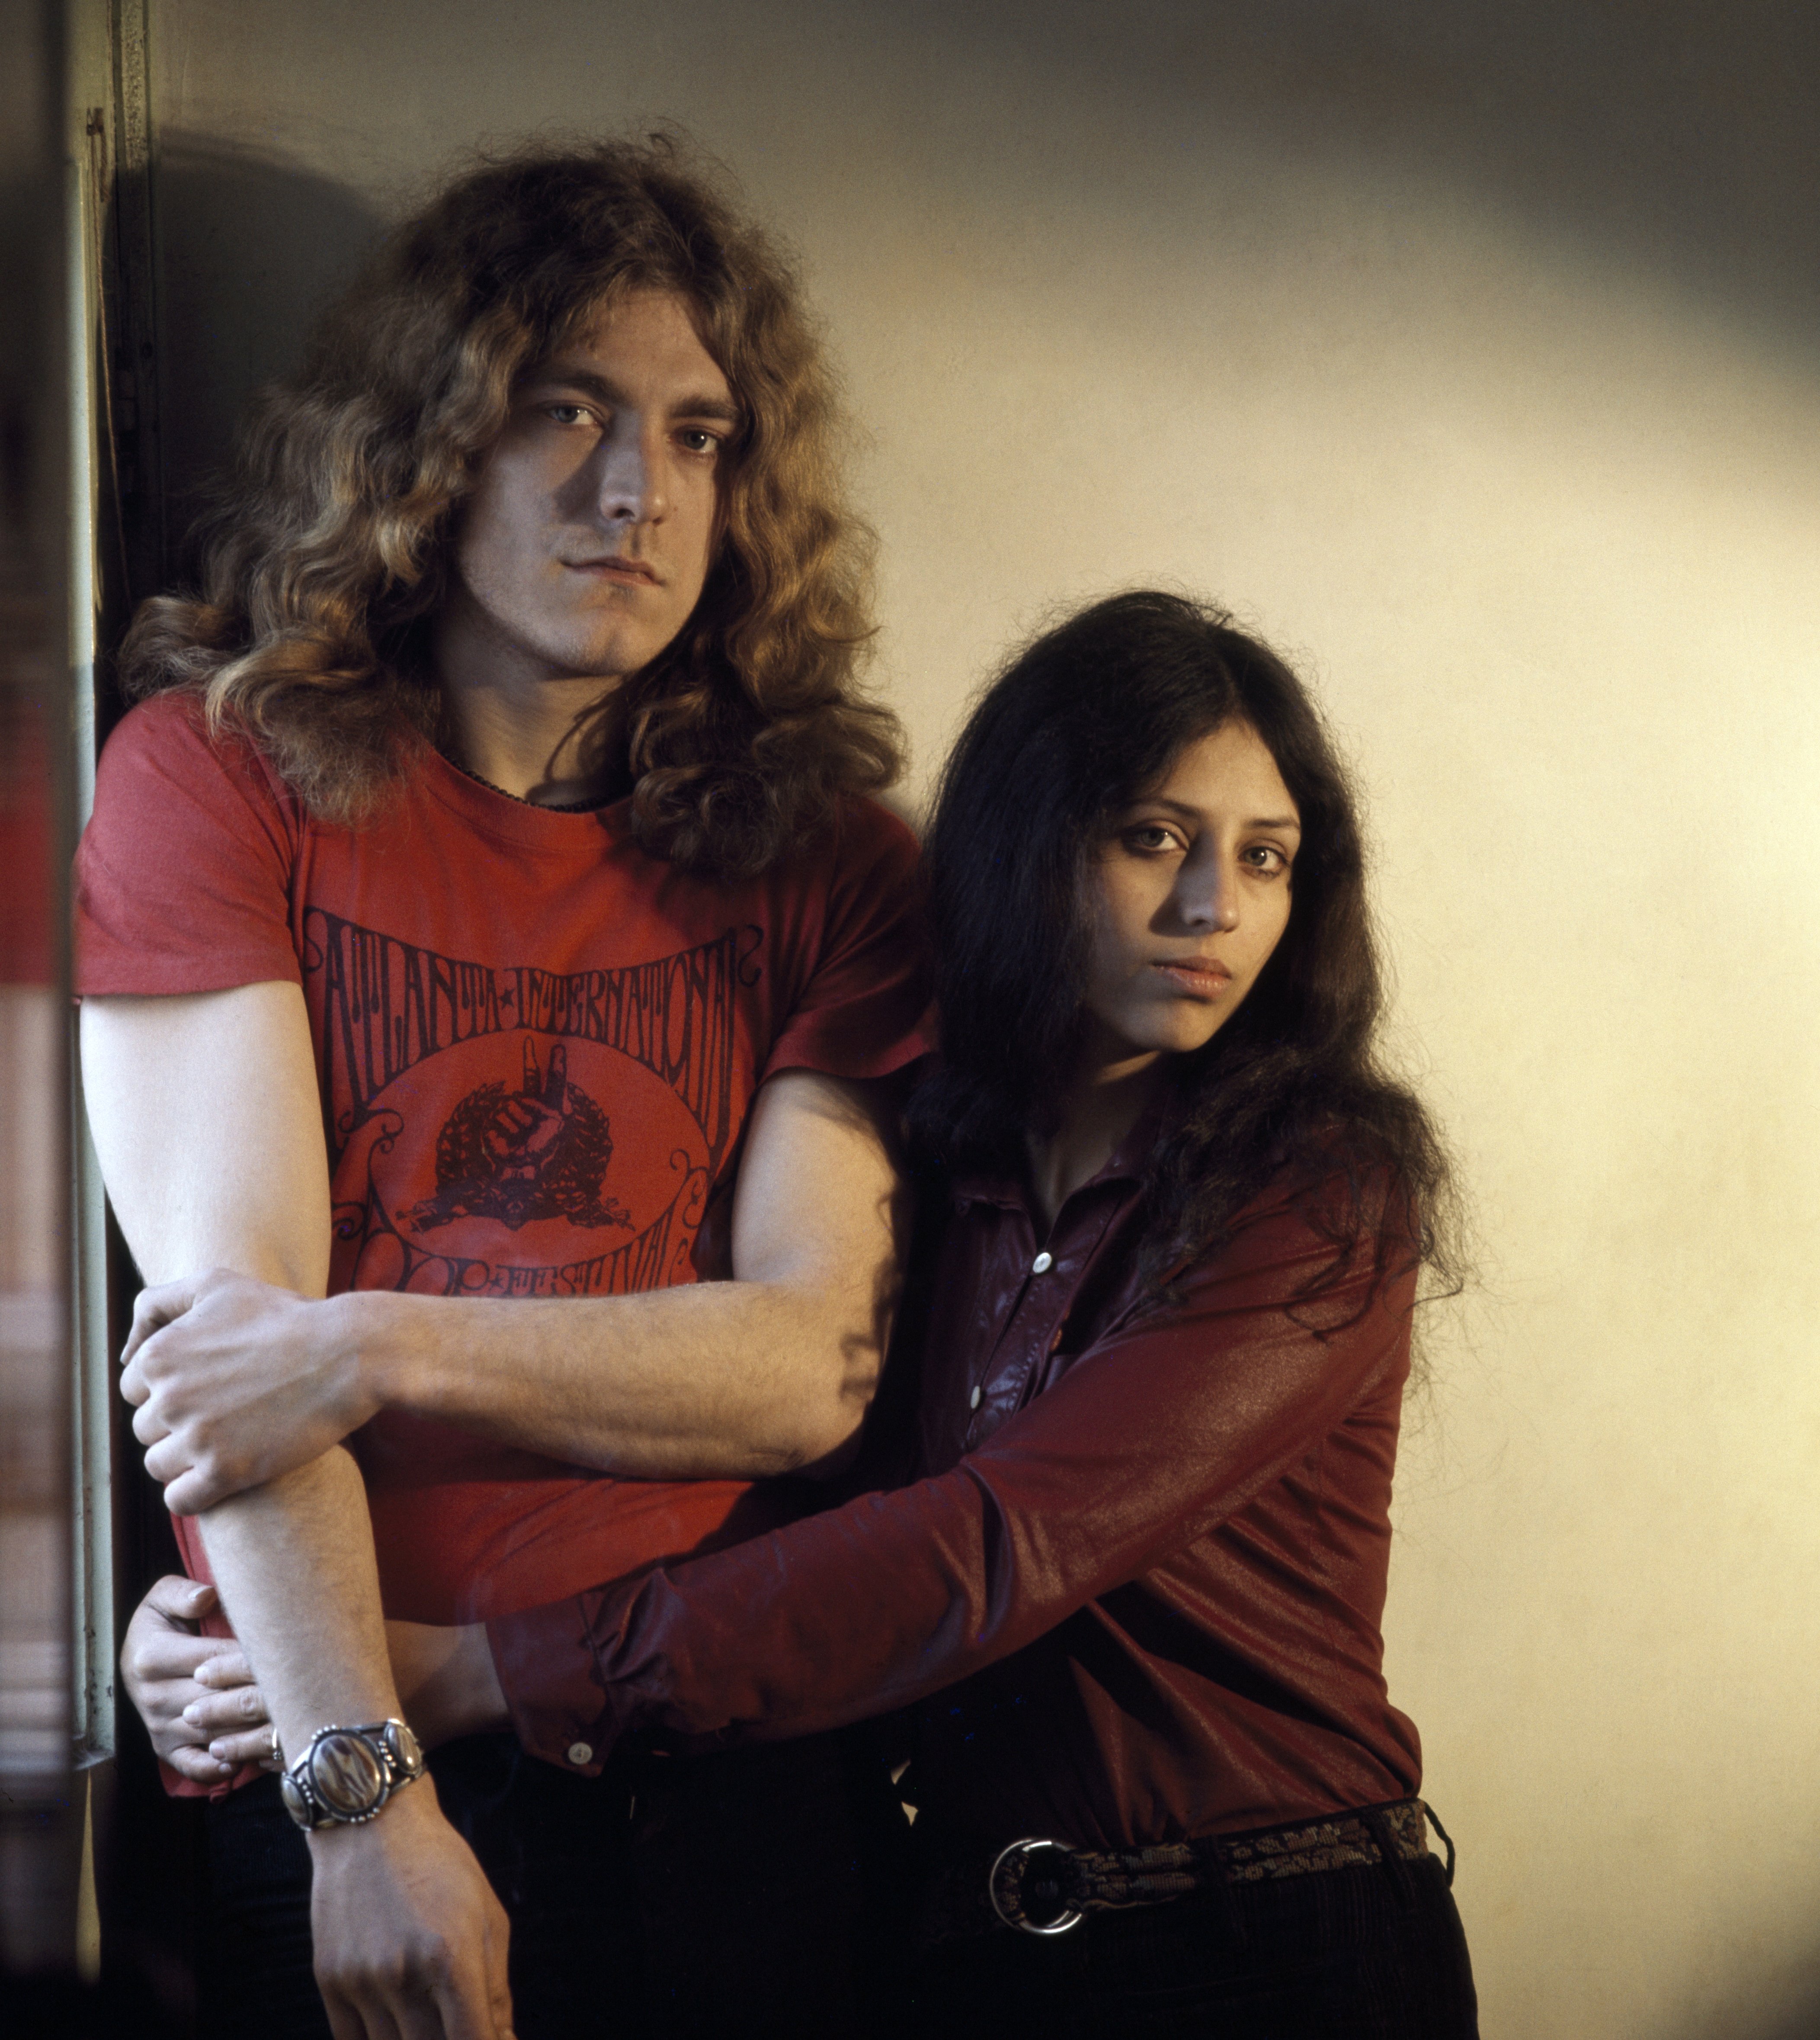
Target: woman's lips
x=1202 y=977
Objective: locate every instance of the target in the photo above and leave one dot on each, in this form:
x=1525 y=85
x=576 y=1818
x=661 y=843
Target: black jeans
x=753 y=1891
x=253 y=1966
x=1373 y=1952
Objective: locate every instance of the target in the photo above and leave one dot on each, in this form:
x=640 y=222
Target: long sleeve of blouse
x=1231 y=1453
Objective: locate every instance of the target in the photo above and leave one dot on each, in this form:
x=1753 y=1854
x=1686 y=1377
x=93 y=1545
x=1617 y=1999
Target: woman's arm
x=1150 y=1441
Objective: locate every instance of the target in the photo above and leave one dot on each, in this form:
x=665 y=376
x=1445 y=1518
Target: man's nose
x=630 y=487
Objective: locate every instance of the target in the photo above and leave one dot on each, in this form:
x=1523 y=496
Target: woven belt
x=1046 y=1887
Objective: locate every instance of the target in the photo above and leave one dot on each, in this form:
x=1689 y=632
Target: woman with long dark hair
x=1128 y=1594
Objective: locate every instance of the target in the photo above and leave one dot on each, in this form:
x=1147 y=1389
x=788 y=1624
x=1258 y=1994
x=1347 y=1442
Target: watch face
x=346 y=1773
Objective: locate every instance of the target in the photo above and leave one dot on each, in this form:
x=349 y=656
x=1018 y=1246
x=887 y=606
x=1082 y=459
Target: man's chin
x=607 y=657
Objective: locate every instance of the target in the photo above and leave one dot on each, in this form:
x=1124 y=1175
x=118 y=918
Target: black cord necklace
x=548 y=807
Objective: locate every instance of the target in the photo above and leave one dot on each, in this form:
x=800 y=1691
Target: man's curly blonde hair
x=328 y=549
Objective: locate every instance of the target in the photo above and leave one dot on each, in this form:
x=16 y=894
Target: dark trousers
x=1373 y=1952
x=753 y=1891
x=762 y=1892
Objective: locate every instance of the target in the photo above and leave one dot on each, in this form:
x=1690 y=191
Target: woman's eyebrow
x=1186 y=808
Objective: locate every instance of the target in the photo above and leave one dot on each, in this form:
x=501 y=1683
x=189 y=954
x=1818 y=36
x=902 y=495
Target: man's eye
x=566 y=414
x=696 y=439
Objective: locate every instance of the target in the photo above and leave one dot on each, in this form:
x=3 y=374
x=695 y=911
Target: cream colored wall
x=1406 y=344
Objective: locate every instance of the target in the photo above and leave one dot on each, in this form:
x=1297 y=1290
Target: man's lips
x=1204 y=975
x=611 y=567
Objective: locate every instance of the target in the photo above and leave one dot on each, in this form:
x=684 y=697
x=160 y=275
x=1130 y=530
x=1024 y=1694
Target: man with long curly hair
x=484 y=869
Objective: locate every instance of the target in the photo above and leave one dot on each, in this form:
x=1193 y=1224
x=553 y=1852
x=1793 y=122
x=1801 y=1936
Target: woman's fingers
x=240 y=1708
x=181 y=1599
x=250 y=1746
x=234 y=1723
x=228 y=1667
x=156 y=1666
x=164 y=1665
x=193 y=1762
x=162 y=1654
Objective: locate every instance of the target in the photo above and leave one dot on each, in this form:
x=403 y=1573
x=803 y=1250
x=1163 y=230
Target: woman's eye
x=1152 y=836
x=1265 y=858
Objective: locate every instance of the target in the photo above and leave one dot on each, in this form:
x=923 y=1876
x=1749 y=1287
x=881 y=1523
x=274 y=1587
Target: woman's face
x=1187 y=897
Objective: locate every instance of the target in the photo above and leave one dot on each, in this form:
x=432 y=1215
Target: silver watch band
x=347 y=1774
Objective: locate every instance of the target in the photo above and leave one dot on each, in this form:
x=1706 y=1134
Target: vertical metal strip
x=40 y=1828
x=117 y=545
x=86 y=212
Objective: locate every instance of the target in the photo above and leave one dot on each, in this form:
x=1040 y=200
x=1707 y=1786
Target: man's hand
x=194 y=1693
x=235 y=1383
x=410 y=1941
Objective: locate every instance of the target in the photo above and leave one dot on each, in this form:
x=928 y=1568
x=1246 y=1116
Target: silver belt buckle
x=1063 y=1921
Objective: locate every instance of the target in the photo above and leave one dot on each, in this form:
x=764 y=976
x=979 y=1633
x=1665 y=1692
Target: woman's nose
x=1210 y=898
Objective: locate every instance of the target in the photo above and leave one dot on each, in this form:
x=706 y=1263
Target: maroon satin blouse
x=1135 y=1595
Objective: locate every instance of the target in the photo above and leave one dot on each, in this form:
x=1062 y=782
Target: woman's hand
x=195 y=1694
x=206 y=1716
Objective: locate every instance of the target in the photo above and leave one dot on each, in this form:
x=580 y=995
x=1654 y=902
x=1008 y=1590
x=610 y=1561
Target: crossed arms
x=208 y=1124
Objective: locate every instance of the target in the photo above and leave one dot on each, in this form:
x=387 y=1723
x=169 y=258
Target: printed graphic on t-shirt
x=511 y=1132
x=540 y=1152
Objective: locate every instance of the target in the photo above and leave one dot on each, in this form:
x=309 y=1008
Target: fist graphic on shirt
x=522 y=1130
x=539 y=1152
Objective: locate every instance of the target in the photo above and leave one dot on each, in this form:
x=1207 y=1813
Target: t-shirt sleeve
x=183 y=877
x=865 y=1009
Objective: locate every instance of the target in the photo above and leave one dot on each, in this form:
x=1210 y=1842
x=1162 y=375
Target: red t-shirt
x=537 y=1045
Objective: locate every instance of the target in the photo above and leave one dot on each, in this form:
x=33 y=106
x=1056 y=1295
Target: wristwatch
x=347 y=1774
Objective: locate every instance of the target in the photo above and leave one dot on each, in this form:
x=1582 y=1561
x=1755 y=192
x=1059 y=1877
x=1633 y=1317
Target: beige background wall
x=1465 y=356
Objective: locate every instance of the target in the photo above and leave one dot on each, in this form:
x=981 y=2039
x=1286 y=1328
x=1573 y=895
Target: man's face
x=585 y=546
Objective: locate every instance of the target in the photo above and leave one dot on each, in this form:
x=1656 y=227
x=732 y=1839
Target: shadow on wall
x=1678 y=132
x=249 y=250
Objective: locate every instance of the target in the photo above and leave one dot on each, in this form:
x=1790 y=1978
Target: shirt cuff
x=547 y=1670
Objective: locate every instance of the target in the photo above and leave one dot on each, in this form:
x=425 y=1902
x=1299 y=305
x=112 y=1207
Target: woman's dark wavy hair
x=1080 y=723
x=327 y=550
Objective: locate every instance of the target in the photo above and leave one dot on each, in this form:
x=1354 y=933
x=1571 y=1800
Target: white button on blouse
x=581 y=1753
x=1043 y=1262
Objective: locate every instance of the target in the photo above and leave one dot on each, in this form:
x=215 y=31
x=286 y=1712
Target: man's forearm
x=778 y=1377
x=769 y=1373
x=238 y=1382
x=407 y=1936
x=293 y=1562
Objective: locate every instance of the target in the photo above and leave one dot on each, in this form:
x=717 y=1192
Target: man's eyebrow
x=702 y=405
x=1184 y=808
